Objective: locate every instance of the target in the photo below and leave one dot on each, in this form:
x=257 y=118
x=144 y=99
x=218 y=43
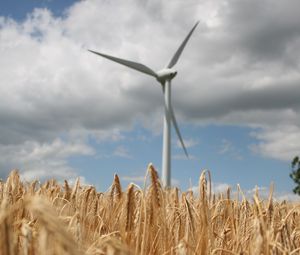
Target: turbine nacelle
x=165 y=74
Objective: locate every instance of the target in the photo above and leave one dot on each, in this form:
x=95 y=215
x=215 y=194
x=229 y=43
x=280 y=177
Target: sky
x=65 y=112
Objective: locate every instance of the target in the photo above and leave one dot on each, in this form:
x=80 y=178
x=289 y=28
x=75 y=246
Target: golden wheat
x=50 y=218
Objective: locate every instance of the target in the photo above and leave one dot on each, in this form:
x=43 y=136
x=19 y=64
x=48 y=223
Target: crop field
x=53 y=218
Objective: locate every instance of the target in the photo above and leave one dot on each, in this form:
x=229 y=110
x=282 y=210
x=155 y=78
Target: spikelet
x=175 y=197
x=228 y=190
x=202 y=246
x=1 y=190
x=203 y=189
x=270 y=207
x=36 y=219
x=190 y=222
x=155 y=186
x=32 y=188
x=67 y=194
x=116 y=189
x=130 y=205
x=75 y=189
x=11 y=188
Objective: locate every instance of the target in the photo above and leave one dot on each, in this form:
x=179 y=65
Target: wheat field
x=51 y=218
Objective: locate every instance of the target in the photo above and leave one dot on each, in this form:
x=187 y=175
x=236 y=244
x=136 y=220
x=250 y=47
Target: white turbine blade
x=181 y=47
x=137 y=66
x=177 y=130
x=173 y=119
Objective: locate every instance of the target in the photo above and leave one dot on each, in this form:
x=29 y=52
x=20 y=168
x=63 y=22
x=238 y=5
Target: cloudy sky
x=65 y=112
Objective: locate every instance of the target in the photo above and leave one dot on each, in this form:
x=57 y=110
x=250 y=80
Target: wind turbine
x=164 y=77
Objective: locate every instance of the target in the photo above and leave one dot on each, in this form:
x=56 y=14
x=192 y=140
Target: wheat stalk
x=50 y=218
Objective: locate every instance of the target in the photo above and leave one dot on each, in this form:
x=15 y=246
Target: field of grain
x=50 y=218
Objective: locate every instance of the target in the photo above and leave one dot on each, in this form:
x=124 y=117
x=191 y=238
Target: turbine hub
x=166 y=74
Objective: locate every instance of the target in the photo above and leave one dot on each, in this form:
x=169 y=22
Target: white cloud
x=43 y=160
x=228 y=148
x=225 y=147
x=183 y=157
x=138 y=179
x=175 y=182
x=187 y=142
x=216 y=188
x=278 y=142
x=122 y=152
x=141 y=179
x=263 y=192
x=288 y=196
x=220 y=187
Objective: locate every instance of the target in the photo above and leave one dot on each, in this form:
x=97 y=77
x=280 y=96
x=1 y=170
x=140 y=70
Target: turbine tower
x=164 y=77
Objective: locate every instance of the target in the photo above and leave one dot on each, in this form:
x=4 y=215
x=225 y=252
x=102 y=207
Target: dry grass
x=51 y=218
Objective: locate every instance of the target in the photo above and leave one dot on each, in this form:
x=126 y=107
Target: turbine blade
x=173 y=119
x=177 y=130
x=137 y=66
x=181 y=47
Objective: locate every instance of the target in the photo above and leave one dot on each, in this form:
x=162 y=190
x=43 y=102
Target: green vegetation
x=295 y=175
